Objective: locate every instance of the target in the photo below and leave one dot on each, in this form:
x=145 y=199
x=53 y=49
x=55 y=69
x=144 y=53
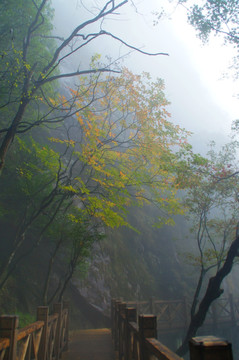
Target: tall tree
x=30 y=65
x=121 y=151
x=30 y=201
x=212 y=200
x=124 y=150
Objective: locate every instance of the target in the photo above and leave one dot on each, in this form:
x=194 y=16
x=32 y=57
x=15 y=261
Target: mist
x=193 y=106
x=102 y=195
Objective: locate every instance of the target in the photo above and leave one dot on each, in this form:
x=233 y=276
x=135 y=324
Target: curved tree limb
x=213 y=292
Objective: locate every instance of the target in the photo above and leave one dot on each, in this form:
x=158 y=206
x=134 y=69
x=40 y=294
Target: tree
x=123 y=149
x=72 y=239
x=119 y=152
x=39 y=211
x=30 y=201
x=117 y=149
x=213 y=206
x=217 y=17
x=29 y=67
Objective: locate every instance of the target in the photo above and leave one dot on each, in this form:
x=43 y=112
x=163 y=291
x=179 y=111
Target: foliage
x=18 y=60
x=124 y=150
x=217 y=17
x=69 y=238
x=117 y=149
x=30 y=200
x=29 y=69
x=212 y=201
x=31 y=174
x=96 y=170
x=25 y=318
x=39 y=210
x=213 y=205
x=118 y=152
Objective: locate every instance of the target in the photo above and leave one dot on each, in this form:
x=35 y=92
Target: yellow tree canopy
x=124 y=149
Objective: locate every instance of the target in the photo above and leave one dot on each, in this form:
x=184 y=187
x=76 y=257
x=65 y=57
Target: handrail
x=44 y=339
x=159 y=350
x=4 y=343
x=137 y=340
x=29 y=329
x=175 y=314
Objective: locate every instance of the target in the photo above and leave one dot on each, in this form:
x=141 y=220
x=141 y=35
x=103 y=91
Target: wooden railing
x=175 y=314
x=45 y=339
x=135 y=338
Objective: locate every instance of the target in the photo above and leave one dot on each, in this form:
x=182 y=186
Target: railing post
x=57 y=308
x=122 y=307
x=147 y=329
x=66 y=305
x=116 y=321
x=131 y=316
x=214 y=316
x=185 y=310
x=210 y=347
x=152 y=305
x=113 y=318
x=9 y=329
x=232 y=309
x=42 y=315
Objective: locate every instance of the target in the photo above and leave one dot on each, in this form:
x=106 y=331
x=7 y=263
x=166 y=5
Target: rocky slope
x=135 y=265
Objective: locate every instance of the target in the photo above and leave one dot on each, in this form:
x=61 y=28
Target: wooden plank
x=36 y=338
x=52 y=318
x=4 y=343
x=29 y=329
x=160 y=351
x=22 y=347
x=2 y=354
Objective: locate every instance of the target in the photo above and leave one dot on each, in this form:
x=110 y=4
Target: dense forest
x=101 y=192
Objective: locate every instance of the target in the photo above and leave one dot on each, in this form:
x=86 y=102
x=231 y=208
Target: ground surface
x=93 y=344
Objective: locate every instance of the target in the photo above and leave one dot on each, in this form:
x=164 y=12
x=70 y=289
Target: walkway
x=95 y=344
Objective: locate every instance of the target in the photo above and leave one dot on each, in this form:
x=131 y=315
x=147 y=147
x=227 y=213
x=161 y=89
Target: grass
x=25 y=319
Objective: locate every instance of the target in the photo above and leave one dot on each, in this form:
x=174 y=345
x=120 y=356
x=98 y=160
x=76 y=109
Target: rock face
x=125 y=264
x=136 y=266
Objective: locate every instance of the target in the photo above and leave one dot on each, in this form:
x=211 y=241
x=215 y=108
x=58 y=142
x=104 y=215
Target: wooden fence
x=173 y=315
x=45 y=339
x=135 y=338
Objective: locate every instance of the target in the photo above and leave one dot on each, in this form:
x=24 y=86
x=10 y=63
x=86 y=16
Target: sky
x=202 y=100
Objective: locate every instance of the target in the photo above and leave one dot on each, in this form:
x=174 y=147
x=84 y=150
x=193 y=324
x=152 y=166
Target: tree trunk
x=213 y=292
x=8 y=139
x=197 y=292
x=65 y=284
x=48 y=275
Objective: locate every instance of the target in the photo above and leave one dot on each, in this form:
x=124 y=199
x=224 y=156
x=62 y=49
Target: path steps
x=93 y=344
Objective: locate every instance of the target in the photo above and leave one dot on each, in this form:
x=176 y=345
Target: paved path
x=95 y=344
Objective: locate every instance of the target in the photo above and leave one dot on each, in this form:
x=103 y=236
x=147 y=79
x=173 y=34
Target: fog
x=189 y=86
x=91 y=186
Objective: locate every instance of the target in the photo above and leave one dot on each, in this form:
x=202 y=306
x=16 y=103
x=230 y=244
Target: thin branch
x=49 y=37
x=132 y=47
x=79 y=28
x=76 y=73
